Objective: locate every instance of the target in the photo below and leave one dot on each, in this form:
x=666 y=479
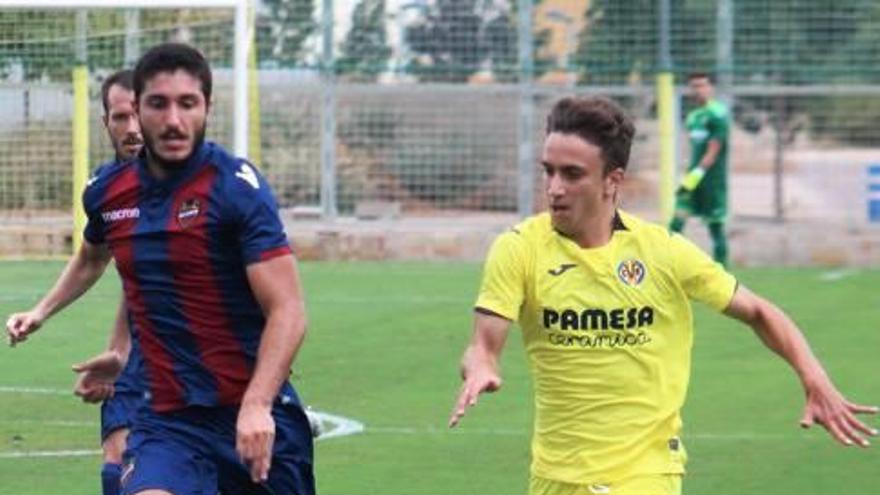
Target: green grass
x=383 y=348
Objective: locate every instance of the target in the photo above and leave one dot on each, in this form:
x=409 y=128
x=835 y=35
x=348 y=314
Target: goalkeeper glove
x=693 y=178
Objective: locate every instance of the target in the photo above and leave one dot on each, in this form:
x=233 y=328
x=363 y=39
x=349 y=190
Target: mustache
x=132 y=140
x=172 y=134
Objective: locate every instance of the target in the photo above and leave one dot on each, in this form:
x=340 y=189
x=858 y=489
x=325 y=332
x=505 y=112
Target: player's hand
x=20 y=325
x=476 y=381
x=827 y=407
x=254 y=437
x=96 y=376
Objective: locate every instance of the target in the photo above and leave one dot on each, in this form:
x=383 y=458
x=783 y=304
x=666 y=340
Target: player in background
x=213 y=290
x=604 y=302
x=703 y=190
x=121 y=399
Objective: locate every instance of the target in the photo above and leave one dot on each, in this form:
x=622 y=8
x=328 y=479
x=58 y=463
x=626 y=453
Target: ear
x=613 y=182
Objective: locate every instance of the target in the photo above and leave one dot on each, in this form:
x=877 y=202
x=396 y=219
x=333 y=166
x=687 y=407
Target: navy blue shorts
x=119 y=412
x=192 y=452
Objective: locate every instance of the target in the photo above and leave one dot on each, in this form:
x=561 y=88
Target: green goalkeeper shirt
x=708 y=122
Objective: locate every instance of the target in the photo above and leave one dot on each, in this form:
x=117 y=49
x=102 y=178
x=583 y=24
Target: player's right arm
x=78 y=276
x=501 y=295
x=479 y=365
x=98 y=374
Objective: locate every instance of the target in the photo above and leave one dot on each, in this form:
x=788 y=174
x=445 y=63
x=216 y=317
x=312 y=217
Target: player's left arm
x=824 y=403
x=276 y=286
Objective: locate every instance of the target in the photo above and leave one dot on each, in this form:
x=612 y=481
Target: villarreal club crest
x=631 y=272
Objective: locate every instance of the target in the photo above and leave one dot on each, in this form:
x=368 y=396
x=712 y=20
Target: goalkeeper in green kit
x=703 y=189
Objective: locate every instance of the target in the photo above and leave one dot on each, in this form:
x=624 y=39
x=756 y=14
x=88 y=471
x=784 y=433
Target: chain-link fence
x=436 y=106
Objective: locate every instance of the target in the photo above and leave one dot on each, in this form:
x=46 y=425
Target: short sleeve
x=701 y=277
x=94 y=229
x=718 y=125
x=261 y=233
x=504 y=276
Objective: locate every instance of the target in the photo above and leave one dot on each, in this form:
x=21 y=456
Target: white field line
x=334 y=426
x=835 y=275
x=49 y=453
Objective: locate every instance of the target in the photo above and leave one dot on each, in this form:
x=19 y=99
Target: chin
x=559 y=225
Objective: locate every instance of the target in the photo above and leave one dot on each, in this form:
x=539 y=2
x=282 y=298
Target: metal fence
x=436 y=106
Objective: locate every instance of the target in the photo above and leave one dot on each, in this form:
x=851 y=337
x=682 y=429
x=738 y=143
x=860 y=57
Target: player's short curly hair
x=171 y=57
x=598 y=121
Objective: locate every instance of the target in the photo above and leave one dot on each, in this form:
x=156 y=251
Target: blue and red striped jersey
x=181 y=247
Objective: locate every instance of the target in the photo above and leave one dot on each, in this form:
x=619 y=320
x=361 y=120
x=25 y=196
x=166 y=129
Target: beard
x=172 y=165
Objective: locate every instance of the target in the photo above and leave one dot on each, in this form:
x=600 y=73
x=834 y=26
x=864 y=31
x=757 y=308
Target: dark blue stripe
x=242 y=310
x=874 y=187
x=874 y=169
x=154 y=272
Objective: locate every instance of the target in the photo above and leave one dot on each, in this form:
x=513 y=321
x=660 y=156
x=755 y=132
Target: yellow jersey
x=608 y=333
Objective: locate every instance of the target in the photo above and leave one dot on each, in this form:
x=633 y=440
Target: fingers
x=466 y=398
x=858 y=426
x=255 y=436
x=841 y=424
x=93 y=392
x=18 y=326
x=859 y=409
x=807 y=419
x=255 y=451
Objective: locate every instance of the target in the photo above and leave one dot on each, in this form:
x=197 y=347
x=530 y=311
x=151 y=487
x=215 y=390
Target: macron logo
x=122 y=214
x=247 y=174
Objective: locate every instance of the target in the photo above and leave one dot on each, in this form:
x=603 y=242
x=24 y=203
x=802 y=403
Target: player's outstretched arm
x=78 y=276
x=93 y=386
x=479 y=365
x=275 y=283
x=825 y=404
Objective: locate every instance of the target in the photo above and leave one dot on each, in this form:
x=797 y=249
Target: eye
x=572 y=173
x=157 y=102
x=189 y=102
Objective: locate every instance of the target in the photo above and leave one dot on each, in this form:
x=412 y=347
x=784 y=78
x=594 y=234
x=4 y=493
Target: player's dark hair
x=171 y=57
x=598 y=121
x=701 y=75
x=122 y=78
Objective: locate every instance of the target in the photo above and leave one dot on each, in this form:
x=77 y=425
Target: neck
x=597 y=230
x=160 y=169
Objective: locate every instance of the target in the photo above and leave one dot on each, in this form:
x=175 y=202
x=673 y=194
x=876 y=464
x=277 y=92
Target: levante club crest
x=188 y=212
x=631 y=272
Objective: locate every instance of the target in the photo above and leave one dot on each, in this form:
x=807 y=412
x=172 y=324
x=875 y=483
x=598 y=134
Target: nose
x=132 y=126
x=172 y=117
x=554 y=186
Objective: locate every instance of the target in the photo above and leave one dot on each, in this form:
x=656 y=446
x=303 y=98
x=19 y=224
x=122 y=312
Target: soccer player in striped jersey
x=213 y=290
x=120 y=399
x=604 y=302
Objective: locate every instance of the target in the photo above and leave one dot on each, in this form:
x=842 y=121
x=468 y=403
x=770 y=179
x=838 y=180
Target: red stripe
x=274 y=253
x=166 y=390
x=197 y=289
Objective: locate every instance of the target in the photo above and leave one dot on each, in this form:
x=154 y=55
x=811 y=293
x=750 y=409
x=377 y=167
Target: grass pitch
x=383 y=348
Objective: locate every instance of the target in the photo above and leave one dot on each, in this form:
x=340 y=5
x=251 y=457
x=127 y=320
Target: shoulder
x=103 y=177
x=717 y=110
x=533 y=230
x=642 y=228
x=649 y=236
x=520 y=242
x=237 y=173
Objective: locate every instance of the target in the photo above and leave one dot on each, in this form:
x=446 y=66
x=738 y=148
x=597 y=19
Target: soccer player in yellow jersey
x=603 y=300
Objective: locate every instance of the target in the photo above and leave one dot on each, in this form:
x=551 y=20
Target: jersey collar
x=193 y=164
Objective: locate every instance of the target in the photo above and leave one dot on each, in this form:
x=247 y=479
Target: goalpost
x=239 y=19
